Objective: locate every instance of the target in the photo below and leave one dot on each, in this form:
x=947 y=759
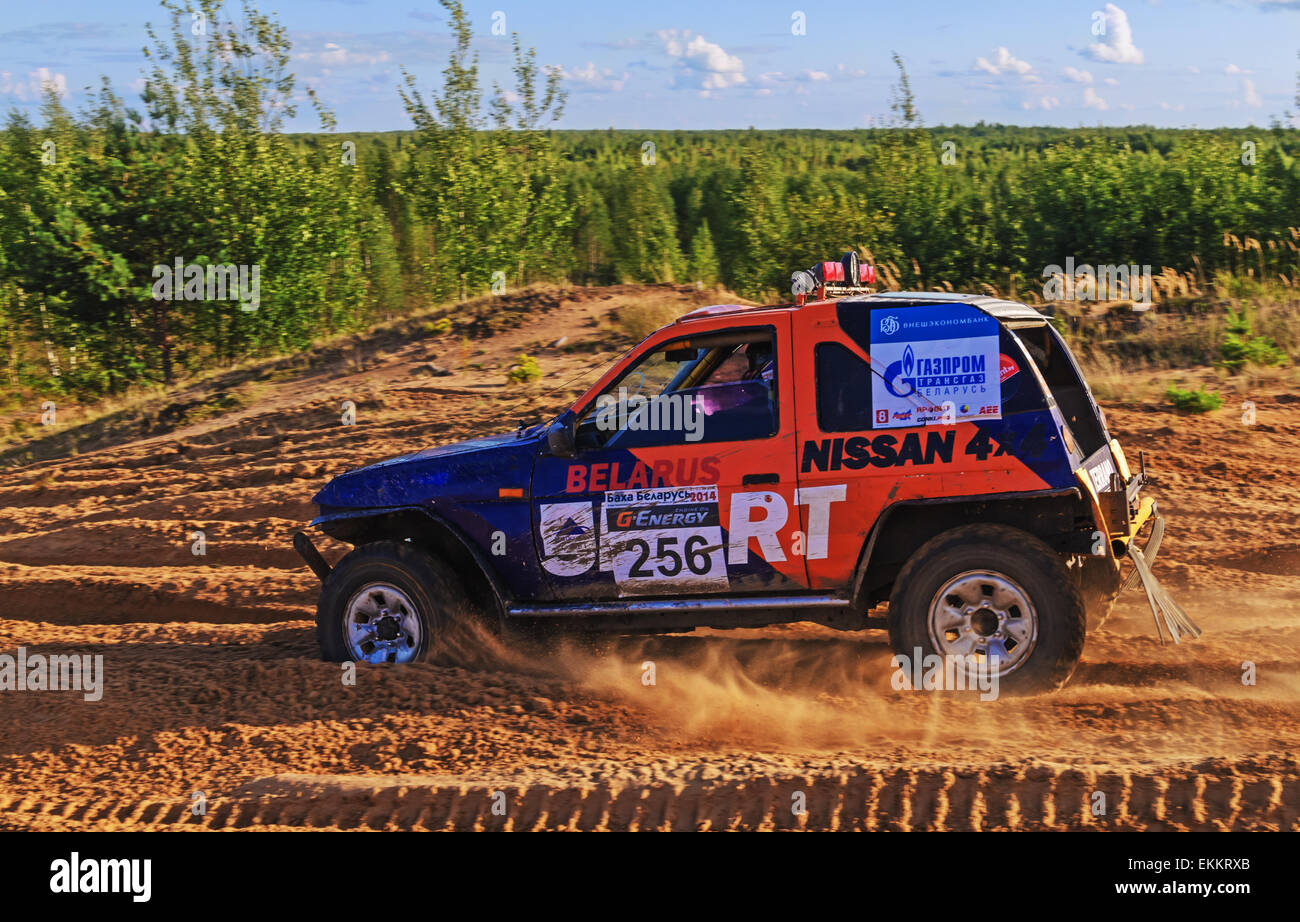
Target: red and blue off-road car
x=753 y=465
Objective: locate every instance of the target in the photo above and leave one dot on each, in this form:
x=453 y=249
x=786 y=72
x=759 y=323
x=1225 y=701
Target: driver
x=762 y=363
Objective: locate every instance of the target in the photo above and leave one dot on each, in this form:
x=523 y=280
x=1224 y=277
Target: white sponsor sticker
x=1102 y=474
x=664 y=539
x=568 y=538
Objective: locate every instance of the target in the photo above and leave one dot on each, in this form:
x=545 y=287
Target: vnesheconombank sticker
x=934 y=358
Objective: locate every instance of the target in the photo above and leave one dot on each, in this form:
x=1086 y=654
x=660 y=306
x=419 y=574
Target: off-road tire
x=428 y=583
x=1021 y=557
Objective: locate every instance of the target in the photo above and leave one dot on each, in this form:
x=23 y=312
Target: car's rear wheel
x=385 y=602
x=984 y=591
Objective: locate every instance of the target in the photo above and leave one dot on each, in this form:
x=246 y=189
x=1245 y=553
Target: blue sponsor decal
x=940 y=356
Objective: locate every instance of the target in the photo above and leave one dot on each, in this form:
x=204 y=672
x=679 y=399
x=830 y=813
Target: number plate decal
x=664 y=540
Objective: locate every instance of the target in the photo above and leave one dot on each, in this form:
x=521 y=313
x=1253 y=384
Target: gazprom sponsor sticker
x=937 y=355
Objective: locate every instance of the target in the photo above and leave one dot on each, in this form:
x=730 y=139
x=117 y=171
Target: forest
x=482 y=194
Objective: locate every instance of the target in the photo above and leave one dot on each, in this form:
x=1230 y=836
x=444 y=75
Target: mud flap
x=1163 y=607
x=1152 y=549
x=307 y=551
x=1162 y=604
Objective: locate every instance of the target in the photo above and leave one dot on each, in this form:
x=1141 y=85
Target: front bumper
x=1118 y=512
x=1146 y=511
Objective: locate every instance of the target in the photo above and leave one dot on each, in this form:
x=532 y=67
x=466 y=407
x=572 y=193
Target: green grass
x=1241 y=345
x=525 y=369
x=1197 y=401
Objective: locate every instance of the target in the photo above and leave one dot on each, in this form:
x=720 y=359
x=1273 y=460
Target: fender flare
x=857 y=594
x=500 y=597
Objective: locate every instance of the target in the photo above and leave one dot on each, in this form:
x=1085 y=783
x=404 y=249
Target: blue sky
x=672 y=64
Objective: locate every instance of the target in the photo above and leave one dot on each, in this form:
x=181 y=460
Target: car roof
x=999 y=308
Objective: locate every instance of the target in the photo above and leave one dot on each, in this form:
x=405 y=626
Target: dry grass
x=1118 y=383
x=1255 y=378
x=639 y=319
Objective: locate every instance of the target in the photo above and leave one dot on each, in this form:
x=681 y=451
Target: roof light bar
x=832 y=279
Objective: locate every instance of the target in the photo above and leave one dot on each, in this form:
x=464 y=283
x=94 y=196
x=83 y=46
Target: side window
x=1020 y=390
x=720 y=387
x=843 y=383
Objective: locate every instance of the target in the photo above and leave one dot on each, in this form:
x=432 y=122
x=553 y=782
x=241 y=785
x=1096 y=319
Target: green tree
x=493 y=198
x=759 y=264
x=704 y=259
x=644 y=228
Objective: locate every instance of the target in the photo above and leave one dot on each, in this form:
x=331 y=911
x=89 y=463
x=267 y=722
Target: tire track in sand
x=1029 y=796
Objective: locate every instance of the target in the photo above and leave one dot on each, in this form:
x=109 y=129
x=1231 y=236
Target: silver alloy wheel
x=984 y=613
x=381 y=625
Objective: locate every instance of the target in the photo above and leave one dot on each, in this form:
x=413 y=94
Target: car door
x=684 y=475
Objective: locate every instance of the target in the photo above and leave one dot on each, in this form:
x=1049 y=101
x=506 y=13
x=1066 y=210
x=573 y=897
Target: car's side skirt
x=677 y=614
x=664 y=606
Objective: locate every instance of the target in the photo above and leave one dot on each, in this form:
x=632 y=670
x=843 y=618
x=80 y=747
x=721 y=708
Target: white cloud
x=1046 y=102
x=706 y=61
x=1111 y=81
x=335 y=55
x=1092 y=101
x=1251 y=98
x=1234 y=69
x=595 y=79
x=1116 y=45
x=1193 y=68
x=1078 y=76
x=1004 y=62
x=33 y=87
x=1171 y=108
x=770 y=79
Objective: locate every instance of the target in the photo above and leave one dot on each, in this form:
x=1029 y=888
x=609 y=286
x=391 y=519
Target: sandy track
x=213 y=682
x=1218 y=796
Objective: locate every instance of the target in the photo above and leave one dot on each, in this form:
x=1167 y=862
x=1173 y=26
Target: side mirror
x=560 y=438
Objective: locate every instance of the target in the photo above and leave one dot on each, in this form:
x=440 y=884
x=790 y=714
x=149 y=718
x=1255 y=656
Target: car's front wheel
x=985 y=591
x=385 y=602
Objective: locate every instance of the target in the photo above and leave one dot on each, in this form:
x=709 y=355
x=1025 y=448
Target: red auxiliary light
x=836 y=278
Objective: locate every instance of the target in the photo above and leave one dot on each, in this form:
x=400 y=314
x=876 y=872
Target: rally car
x=745 y=466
